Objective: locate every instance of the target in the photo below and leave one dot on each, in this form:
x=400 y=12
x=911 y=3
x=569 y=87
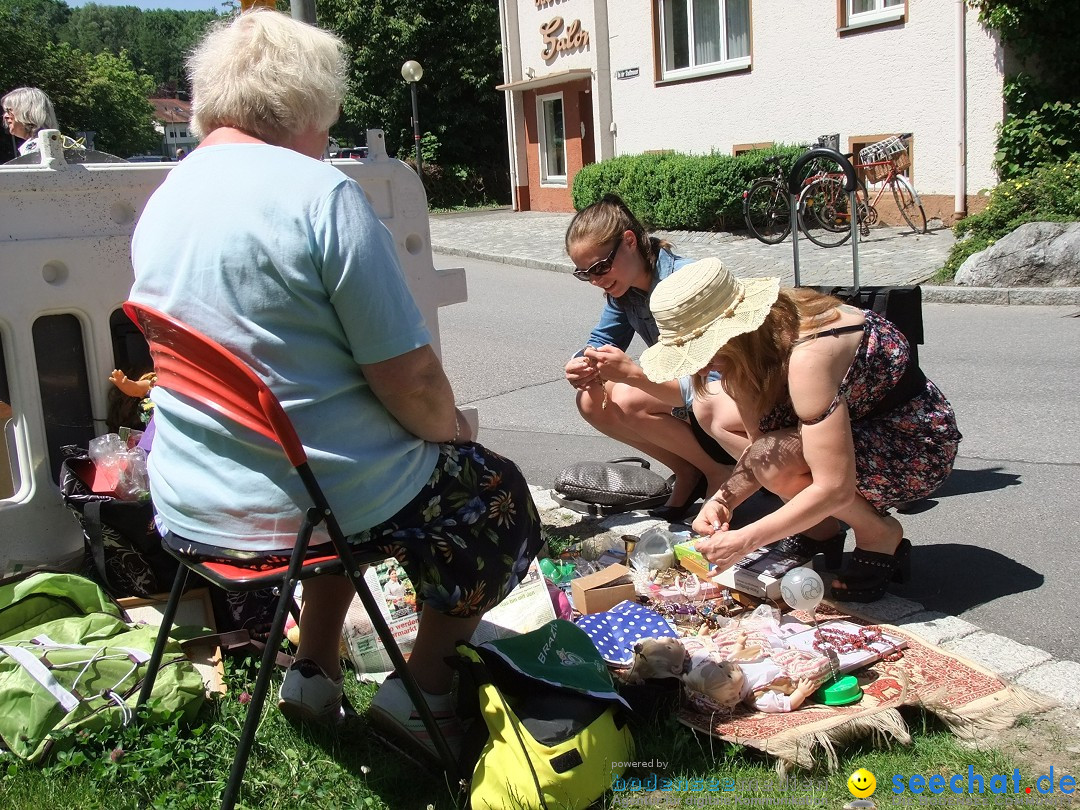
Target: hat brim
x=663 y=362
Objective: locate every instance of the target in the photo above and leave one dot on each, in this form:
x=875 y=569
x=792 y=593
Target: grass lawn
x=173 y=767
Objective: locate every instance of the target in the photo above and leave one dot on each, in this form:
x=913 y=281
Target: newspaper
x=526 y=608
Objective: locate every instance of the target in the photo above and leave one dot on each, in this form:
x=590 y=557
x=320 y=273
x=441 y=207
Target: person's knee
x=773 y=468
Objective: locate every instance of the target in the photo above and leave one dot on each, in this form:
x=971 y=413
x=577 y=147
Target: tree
x=460 y=50
x=157 y=42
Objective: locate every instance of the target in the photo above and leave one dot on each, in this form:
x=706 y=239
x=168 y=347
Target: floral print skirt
x=467 y=538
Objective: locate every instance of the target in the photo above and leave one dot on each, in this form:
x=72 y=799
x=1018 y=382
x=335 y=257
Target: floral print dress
x=902 y=455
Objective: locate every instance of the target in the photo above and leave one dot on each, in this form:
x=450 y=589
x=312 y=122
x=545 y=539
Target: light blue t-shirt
x=281 y=259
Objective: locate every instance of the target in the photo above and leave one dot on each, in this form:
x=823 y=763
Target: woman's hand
x=724 y=548
x=713 y=517
x=613 y=364
x=581 y=372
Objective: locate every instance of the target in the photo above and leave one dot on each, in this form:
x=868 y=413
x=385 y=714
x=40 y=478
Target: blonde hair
x=756 y=363
x=606 y=220
x=31 y=108
x=268 y=75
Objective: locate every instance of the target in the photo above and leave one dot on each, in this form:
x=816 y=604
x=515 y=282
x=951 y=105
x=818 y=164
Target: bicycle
x=825 y=205
x=767 y=204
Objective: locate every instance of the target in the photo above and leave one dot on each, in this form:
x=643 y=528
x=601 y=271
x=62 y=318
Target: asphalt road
x=997 y=545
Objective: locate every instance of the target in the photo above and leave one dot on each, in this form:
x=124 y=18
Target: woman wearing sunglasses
x=612 y=252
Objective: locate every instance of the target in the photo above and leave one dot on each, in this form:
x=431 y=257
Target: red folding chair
x=194 y=366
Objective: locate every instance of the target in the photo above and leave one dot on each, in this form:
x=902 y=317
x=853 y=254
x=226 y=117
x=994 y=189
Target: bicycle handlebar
x=905 y=137
x=794 y=181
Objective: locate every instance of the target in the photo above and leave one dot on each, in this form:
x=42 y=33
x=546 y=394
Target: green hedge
x=1048 y=194
x=679 y=192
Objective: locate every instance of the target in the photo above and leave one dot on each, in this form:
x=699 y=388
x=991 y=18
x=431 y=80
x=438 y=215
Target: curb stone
x=931 y=294
x=1029 y=667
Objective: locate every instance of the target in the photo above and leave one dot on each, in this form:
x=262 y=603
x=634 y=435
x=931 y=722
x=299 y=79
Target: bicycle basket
x=829 y=141
x=892 y=149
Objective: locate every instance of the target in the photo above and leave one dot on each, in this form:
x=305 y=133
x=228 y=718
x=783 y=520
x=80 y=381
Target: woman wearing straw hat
x=841 y=425
x=613 y=253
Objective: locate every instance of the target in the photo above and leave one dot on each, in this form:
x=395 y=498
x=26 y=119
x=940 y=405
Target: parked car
x=358 y=152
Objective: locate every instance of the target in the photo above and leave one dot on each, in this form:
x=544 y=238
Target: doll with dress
x=747 y=662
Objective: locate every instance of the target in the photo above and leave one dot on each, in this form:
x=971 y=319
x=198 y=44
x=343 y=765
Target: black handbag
x=123 y=551
x=608 y=487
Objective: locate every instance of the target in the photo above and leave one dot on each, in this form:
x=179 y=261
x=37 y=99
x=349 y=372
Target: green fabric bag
x=81 y=669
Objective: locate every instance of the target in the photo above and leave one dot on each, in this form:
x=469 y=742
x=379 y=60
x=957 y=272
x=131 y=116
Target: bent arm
x=414 y=388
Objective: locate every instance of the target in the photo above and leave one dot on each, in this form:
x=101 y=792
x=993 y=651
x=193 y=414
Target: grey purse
x=607 y=487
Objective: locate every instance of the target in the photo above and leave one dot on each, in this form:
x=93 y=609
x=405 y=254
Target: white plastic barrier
x=65 y=270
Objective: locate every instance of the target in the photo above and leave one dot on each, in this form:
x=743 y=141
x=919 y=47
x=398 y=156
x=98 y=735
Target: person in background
x=842 y=425
x=27 y=111
x=284 y=262
x=613 y=253
x=181 y=153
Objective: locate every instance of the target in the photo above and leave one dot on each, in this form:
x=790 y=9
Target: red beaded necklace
x=842 y=642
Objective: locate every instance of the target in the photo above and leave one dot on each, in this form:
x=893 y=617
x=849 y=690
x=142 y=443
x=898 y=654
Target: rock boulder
x=1038 y=254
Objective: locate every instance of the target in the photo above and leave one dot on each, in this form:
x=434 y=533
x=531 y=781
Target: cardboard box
x=602 y=590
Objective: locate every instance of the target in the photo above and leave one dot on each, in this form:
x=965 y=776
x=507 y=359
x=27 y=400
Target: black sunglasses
x=600 y=268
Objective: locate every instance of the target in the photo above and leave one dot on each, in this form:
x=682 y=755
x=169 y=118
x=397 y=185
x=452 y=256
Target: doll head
x=658 y=658
x=720 y=681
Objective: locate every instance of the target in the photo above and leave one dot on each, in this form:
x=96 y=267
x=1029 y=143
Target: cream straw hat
x=698 y=309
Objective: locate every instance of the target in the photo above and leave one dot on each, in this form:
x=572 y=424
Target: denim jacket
x=629 y=315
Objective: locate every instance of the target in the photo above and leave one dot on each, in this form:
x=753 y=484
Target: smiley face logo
x=862 y=784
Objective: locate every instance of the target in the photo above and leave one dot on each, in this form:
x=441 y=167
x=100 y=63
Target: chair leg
x=262 y=683
x=179 y=581
x=355 y=574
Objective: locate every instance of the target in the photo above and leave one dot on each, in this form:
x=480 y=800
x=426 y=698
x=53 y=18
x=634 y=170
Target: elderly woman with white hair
x=282 y=260
x=842 y=423
x=27 y=111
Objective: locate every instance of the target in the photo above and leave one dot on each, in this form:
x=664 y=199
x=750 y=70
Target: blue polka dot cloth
x=615 y=632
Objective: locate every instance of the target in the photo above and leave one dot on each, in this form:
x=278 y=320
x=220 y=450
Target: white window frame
x=880 y=14
x=724 y=65
x=546 y=179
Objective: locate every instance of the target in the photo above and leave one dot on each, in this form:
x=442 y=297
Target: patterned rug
x=968 y=698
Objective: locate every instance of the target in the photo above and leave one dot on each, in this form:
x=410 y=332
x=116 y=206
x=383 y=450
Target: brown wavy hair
x=606 y=220
x=756 y=362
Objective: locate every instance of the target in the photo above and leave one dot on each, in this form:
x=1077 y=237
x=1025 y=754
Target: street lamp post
x=412 y=72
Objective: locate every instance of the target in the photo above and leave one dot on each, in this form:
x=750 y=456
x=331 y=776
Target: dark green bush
x=1048 y=194
x=675 y=191
x=1037 y=130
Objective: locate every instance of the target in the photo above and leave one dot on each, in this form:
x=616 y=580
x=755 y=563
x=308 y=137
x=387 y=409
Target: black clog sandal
x=799 y=545
x=870 y=572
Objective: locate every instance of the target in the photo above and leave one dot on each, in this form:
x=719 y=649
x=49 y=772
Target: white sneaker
x=308 y=695
x=392 y=711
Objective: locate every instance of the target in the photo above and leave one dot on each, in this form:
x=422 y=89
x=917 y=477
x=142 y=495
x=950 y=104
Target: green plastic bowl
x=840 y=692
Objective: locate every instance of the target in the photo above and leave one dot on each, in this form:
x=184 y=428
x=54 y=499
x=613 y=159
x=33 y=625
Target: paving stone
x=1055 y=679
x=1004 y=656
x=887 y=610
x=937 y=628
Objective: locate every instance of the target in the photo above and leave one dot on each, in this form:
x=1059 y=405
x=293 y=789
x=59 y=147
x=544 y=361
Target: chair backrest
x=192 y=365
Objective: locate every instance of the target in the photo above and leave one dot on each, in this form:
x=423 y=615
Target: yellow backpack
x=557 y=733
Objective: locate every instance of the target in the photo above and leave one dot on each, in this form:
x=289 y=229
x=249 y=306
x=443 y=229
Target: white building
x=172 y=120
x=587 y=80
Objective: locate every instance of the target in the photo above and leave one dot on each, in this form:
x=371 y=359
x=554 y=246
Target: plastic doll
x=735 y=665
x=139 y=389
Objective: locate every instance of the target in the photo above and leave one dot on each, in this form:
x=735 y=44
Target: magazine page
x=526 y=608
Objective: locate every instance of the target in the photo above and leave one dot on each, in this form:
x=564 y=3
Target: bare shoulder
x=817 y=367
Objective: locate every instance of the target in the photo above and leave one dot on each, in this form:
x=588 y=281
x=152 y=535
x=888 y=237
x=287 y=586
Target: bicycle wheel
x=911 y=207
x=824 y=212
x=765 y=208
